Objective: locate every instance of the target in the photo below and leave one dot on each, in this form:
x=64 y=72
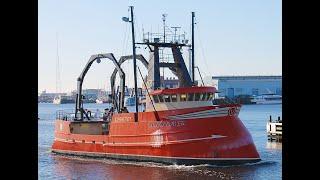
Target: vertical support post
x=154 y=68
x=182 y=72
x=134 y=64
x=192 y=48
x=79 y=99
x=76 y=110
x=164 y=27
x=190 y=62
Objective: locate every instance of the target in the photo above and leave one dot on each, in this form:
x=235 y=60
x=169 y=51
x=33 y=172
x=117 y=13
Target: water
x=254 y=117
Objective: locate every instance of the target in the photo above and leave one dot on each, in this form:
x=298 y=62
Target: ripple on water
x=205 y=170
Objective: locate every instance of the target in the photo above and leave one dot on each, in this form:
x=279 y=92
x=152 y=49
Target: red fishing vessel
x=178 y=125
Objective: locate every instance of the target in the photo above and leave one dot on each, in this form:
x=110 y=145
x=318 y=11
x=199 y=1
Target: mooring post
x=270 y=119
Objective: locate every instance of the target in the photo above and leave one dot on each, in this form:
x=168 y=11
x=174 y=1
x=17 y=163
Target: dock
x=274 y=130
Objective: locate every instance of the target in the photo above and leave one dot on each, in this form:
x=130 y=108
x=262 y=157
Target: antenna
x=58 y=88
x=175 y=32
x=164 y=26
x=192 y=48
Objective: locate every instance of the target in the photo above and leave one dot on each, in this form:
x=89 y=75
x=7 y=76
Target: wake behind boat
x=178 y=125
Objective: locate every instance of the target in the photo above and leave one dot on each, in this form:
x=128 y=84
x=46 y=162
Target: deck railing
x=69 y=115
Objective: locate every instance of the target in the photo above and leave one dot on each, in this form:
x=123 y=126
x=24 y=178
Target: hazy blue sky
x=233 y=37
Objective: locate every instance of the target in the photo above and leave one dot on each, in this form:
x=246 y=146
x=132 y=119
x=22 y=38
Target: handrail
x=93 y=114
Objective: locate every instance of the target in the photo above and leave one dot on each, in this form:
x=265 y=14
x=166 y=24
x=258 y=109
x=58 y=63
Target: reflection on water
x=107 y=169
x=254 y=117
x=72 y=167
x=274 y=145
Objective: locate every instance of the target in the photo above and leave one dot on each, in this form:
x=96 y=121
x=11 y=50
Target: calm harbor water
x=254 y=117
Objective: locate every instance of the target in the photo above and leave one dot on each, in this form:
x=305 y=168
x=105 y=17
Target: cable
x=155 y=111
x=202 y=51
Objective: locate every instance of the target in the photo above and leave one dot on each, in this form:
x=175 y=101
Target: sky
x=232 y=37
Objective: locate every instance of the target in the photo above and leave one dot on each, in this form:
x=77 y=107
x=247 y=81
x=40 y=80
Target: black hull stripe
x=165 y=160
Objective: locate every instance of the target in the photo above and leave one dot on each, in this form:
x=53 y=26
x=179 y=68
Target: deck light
x=125 y=19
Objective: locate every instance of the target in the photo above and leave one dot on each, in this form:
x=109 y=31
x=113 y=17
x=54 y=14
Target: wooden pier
x=274 y=130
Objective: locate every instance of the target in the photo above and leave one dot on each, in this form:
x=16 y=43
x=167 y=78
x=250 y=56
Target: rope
x=155 y=111
x=202 y=52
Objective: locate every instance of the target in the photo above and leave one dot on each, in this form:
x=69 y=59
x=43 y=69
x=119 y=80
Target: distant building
x=48 y=97
x=232 y=86
x=91 y=94
x=130 y=91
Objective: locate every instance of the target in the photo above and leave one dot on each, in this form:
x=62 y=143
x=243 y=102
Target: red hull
x=189 y=136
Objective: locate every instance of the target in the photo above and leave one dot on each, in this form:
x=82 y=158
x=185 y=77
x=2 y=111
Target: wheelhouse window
x=210 y=96
x=155 y=98
x=197 y=96
x=166 y=98
x=183 y=97
x=173 y=97
x=190 y=96
x=160 y=98
x=203 y=97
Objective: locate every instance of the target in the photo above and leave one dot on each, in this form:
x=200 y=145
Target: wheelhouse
x=168 y=99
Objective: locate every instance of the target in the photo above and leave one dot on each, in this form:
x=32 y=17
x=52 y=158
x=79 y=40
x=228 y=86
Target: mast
x=192 y=49
x=164 y=41
x=134 y=64
x=58 y=81
x=164 y=27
